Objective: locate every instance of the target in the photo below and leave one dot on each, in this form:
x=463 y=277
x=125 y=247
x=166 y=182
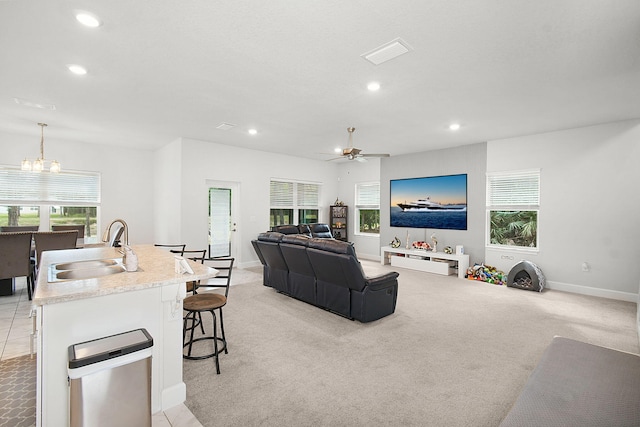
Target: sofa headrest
x=331 y=245
x=270 y=236
x=304 y=229
x=296 y=239
x=286 y=229
x=321 y=230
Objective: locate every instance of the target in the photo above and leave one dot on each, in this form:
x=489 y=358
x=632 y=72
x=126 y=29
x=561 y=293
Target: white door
x=223 y=225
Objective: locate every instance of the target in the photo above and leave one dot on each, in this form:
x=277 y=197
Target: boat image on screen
x=430 y=202
x=426 y=205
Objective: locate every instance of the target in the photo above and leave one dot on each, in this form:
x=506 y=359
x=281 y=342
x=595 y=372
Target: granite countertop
x=156 y=268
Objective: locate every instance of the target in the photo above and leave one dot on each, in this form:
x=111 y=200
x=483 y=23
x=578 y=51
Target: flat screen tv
x=438 y=202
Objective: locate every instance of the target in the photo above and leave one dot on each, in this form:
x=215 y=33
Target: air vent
x=225 y=126
x=387 y=51
x=32 y=104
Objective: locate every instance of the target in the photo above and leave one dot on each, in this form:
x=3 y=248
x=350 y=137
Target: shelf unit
x=339 y=221
x=431 y=262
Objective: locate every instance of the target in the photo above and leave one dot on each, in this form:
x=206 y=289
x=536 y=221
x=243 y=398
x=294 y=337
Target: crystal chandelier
x=38 y=164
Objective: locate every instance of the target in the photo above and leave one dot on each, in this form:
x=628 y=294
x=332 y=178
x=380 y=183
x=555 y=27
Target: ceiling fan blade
x=375 y=155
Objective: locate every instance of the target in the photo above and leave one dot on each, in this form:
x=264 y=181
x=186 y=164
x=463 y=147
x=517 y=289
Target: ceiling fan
x=352 y=153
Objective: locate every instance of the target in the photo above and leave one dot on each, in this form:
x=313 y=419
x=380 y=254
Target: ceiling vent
x=31 y=104
x=225 y=126
x=387 y=51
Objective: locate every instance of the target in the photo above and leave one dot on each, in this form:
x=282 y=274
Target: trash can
x=110 y=381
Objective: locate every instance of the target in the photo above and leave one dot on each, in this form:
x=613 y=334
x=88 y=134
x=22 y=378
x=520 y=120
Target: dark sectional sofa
x=326 y=273
x=320 y=230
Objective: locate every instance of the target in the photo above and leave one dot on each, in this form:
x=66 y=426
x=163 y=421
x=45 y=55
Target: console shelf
x=431 y=262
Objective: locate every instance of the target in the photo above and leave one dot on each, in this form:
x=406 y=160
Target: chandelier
x=38 y=164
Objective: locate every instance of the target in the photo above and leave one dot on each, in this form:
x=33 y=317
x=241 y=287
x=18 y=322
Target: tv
x=438 y=202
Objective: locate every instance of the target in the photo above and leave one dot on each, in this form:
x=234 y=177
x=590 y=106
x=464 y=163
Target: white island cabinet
x=74 y=311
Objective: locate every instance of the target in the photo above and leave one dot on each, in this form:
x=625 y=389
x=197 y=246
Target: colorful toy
x=486 y=273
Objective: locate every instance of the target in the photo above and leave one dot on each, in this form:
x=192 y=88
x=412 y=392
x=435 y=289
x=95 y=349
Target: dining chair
x=221 y=283
x=79 y=228
x=15 y=257
x=209 y=302
x=53 y=240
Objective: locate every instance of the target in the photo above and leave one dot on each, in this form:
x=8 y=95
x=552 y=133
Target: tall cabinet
x=339 y=222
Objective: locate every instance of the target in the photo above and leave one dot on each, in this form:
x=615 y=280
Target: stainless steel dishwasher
x=110 y=381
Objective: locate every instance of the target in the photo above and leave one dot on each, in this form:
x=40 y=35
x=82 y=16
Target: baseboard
x=249 y=264
x=596 y=292
x=369 y=257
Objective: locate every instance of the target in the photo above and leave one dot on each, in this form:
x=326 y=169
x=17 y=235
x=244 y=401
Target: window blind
x=511 y=189
x=308 y=195
x=69 y=188
x=281 y=194
x=368 y=195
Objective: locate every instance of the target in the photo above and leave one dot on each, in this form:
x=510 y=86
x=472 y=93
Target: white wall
x=127 y=176
x=588 y=209
x=349 y=174
x=252 y=170
x=167 y=194
x=469 y=159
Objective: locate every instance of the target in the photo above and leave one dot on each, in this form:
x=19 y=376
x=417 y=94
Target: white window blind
x=308 y=195
x=79 y=188
x=514 y=189
x=281 y=194
x=368 y=195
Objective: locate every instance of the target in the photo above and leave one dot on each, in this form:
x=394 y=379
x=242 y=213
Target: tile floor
x=15 y=330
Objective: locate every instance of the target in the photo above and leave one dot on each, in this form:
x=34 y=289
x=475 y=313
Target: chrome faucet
x=107 y=233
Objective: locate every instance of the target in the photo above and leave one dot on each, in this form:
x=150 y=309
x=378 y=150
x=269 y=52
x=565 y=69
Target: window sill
x=513 y=249
x=367 y=235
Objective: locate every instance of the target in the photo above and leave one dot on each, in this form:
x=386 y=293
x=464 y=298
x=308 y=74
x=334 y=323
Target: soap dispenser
x=130 y=259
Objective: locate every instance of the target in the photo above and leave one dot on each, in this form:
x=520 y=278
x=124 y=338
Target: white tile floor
x=15 y=330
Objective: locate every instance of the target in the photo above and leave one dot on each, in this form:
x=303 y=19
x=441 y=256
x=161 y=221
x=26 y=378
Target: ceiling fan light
x=55 y=167
x=38 y=164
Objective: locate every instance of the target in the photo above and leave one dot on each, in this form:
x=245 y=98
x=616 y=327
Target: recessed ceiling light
x=373 y=86
x=77 y=69
x=454 y=126
x=338 y=150
x=253 y=131
x=88 y=19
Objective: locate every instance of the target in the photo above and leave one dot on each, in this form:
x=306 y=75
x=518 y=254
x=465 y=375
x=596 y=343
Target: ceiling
x=292 y=69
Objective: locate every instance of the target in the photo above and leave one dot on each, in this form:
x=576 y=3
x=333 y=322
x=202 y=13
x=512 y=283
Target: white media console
x=431 y=262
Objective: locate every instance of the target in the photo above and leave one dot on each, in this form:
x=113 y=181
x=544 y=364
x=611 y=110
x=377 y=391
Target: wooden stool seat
x=196 y=304
x=204 y=302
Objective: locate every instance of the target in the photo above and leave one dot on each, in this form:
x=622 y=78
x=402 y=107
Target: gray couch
x=326 y=273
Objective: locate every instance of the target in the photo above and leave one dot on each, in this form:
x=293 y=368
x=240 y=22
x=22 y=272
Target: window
x=293 y=202
x=368 y=208
x=46 y=199
x=513 y=202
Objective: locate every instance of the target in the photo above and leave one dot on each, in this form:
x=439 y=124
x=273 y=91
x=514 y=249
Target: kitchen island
x=74 y=311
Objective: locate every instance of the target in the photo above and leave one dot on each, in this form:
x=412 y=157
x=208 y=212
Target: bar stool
x=196 y=305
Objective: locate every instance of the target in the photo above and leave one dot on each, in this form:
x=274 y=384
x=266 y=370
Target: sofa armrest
x=383 y=281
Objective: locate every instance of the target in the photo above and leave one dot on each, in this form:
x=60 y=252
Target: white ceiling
x=292 y=69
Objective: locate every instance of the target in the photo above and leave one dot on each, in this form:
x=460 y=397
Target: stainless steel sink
x=86 y=264
x=79 y=270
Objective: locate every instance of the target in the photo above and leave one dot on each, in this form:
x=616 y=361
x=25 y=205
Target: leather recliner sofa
x=325 y=273
x=311 y=230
